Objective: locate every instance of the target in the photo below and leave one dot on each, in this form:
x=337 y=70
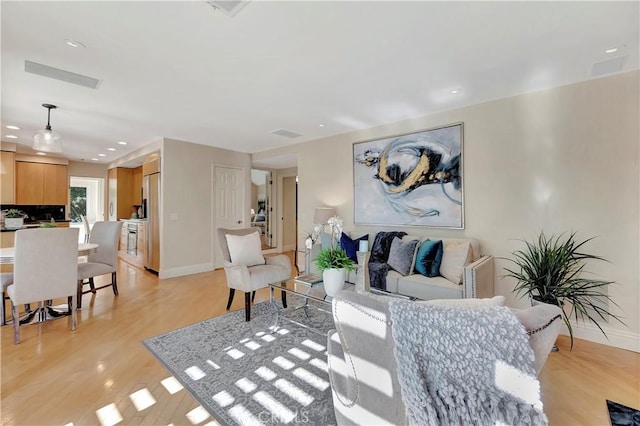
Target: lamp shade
x=323 y=214
x=47 y=140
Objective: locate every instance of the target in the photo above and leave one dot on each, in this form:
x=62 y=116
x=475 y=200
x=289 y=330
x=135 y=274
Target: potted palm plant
x=333 y=261
x=14 y=219
x=550 y=270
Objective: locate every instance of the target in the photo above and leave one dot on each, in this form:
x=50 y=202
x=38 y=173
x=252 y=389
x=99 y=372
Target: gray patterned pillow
x=401 y=255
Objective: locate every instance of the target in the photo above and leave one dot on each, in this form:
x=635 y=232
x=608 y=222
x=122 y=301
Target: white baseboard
x=615 y=337
x=185 y=270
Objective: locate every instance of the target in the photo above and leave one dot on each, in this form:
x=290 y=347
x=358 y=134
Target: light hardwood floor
x=56 y=377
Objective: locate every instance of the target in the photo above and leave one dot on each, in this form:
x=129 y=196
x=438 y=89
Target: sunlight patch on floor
x=172 y=385
x=197 y=415
x=142 y=399
x=109 y=415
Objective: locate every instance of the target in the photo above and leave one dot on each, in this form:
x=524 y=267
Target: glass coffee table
x=308 y=296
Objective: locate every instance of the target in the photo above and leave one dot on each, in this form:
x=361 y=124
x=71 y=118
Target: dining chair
x=45 y=268
x=87 y=228
x=103 y=261
x=245 y=267
x=6 y=279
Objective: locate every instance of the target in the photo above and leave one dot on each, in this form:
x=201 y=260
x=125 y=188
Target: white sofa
x=477 y=276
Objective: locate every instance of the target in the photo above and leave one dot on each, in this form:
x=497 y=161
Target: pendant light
x=47 y=140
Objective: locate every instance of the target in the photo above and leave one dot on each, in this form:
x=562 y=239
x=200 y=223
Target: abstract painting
x=411 y=179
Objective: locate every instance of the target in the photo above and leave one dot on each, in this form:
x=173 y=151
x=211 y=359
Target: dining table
x=45 y=311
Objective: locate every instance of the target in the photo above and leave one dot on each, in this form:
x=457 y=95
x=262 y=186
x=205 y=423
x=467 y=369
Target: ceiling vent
x=62 y=75
x=228 y=7
x=286 y=133
x=607 y=67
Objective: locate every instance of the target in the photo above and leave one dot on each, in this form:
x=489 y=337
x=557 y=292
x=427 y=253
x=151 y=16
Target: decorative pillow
x=245 y=249
x=429 y=257
x=382 y=244
x=401 y=255
x=351 y=246
x=454 y=258
x=467 y=303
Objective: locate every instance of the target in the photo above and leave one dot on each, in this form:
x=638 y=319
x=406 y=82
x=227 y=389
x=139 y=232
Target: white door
x=228 y=185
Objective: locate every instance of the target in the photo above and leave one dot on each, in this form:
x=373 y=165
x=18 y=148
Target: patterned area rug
x=621 y=415
x=247 y=373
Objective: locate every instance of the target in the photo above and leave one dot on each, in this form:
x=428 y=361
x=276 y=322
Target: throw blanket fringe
x=464 y=366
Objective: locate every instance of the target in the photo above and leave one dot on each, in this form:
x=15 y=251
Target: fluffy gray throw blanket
x=462 y=366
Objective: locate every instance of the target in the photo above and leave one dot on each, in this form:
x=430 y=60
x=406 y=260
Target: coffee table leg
x=283 y=294
x=274 y=305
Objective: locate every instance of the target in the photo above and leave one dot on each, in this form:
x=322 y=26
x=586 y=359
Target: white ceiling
x=184 y=70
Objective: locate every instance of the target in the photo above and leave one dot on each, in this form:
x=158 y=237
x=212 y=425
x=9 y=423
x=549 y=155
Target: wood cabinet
x=41 y=184
x=7 y=180
x=122 y=193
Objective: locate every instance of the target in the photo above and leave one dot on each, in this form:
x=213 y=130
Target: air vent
x=229 y=7
x=62 y=75
x=607 y=67
x=286 y=133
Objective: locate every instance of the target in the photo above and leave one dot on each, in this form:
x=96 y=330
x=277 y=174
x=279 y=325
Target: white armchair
x=246 y=269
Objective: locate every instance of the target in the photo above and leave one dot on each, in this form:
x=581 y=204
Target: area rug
x=621 y=415
x=247 y=372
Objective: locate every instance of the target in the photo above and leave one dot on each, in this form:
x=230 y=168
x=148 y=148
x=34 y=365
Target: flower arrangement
x=333 y=257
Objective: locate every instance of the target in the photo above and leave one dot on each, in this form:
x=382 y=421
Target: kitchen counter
x=33 y=225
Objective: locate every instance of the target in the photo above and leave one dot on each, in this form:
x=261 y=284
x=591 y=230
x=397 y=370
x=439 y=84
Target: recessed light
x=612 y=50
x=122 y=143
x=322 y=125
x=41 y=153
x=456 y=91
x=102 y=155
x=94 y=159
x=111 y=149
x=13 y=127
x=73 y=43
x=11 y=136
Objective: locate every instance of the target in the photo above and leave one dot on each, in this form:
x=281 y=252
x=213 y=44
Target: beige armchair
x=362 y=359
x=255 y=274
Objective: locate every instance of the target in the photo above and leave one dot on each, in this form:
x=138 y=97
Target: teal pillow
x=429 y=257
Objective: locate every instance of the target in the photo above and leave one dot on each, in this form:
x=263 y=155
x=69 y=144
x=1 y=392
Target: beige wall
x=187 y=230
x=558 y=160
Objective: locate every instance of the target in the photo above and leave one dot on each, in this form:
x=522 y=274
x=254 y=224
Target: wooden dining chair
x=103 y=261
x=44 y=268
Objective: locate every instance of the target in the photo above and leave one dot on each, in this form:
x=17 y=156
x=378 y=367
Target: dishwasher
x=132 y=239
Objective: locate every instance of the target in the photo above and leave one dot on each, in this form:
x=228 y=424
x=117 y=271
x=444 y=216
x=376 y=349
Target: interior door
x=228 y=201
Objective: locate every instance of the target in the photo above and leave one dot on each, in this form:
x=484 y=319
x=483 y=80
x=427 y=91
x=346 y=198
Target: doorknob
x=239 y=222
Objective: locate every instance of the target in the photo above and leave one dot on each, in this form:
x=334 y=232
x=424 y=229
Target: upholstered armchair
x=245 y=267
x=363 y=367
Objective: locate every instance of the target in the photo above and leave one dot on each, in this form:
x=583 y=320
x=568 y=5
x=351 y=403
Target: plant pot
x=13 y=222
x=333 y=281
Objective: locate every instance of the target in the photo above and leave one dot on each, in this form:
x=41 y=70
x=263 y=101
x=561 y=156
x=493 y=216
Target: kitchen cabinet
x=7 y=184
x=41 y=184
x=122 y=194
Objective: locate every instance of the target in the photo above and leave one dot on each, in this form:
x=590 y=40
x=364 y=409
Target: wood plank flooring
x=55 y=376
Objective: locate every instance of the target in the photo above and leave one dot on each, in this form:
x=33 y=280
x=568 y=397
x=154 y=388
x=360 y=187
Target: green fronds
x=549 y=270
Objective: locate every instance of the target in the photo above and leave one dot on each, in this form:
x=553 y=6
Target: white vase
x=13 y=222
x=333 y=280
